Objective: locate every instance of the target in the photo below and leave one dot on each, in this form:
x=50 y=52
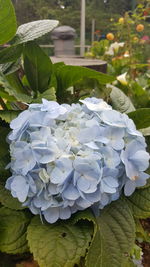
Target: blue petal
x=71 y=193
x=51 y=215
x=21 y=188
x=94 y=197
x=111 y=157
x=65 y=213
x=129 y=188
x=104 y=199
x=141 y=160
x=110 y=181
x=141 y=181
x=106 y=188
x=83 y=203
x=83 y=184
x=20 y=120
x=43 y=154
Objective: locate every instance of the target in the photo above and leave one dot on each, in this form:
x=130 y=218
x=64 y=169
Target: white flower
x=122 y=78
x=114 y=48
x=110 y=52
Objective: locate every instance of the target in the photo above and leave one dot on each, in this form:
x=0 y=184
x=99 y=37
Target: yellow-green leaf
x=61 y=244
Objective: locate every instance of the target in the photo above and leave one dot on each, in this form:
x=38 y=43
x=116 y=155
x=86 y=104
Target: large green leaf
x=37 y=67
x=33 y=30
x=141 y=117
x=7 y=200
x=13 y=226
x=10 y=54
x=139 y=202
x=86 y=215
x=8 y=24
x=120 y=101
x=68 y=76
x=114 y=238
x=61 y=244
x=83 y=215
x=9 y=115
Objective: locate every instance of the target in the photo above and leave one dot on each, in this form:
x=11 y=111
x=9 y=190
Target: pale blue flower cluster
x=66 y=158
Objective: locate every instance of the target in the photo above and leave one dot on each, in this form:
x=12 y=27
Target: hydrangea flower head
x=66 y=158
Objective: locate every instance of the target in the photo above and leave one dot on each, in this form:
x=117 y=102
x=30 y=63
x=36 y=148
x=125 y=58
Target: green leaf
x=10 y=54
x=141 y=233
x=3 y=144
x=137 y=89
x=138 y=66
x=10 y=67
x=49 y=94
x=9 y=115
x=145 y=132
x=14 y=81
x=6 y=96
x=140 y=96
x=13 y=227
x=12 y=85
x=139 y=203
x=4 y=160
x=33 y=30
x=128 y=263
x=141 y=117
x=8 y=24
x=147 y=138
x=120 y=101
x=68 y=76
x=37 y=67
x=85 y=215
x=4 y=152
x=114 y=238
x=55 y=69
x=7 y=200
x=60 y=244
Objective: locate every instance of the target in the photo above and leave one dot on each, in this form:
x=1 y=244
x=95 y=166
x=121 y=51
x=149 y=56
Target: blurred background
x=99 y=13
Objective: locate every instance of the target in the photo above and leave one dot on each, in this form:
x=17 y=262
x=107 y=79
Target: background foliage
x=68 y=12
